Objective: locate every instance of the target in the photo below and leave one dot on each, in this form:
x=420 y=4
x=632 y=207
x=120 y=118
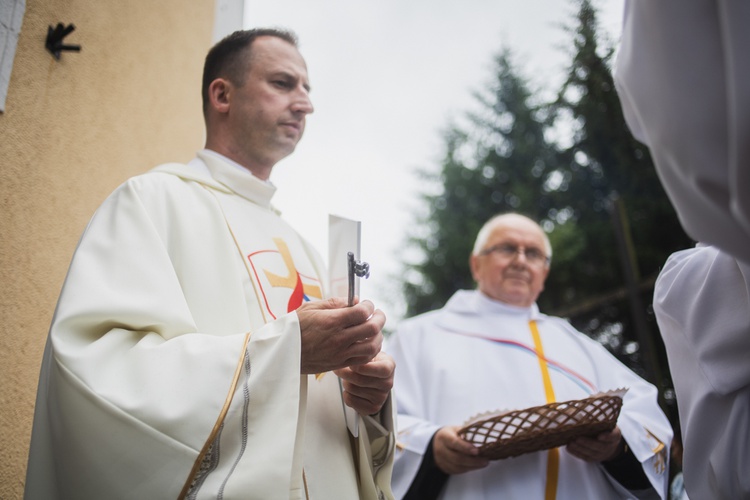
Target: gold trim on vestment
x=219 y=421
x=660 y=453
x=553 y=455
x=258 y=294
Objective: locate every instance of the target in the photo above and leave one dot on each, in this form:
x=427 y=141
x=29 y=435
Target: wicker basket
x=514 y=433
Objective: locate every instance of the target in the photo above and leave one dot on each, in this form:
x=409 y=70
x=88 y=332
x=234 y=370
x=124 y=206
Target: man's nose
x=302 y=103
x=520 y=256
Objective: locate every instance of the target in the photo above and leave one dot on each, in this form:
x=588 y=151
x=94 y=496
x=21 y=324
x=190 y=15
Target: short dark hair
x=230 y=58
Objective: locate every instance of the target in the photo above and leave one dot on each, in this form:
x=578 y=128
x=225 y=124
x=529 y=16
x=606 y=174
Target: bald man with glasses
x=491 y=349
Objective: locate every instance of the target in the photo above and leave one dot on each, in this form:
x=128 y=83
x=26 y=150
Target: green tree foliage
x=498 y=163
x=503 y=162
x=606 y=166
x=605 y=162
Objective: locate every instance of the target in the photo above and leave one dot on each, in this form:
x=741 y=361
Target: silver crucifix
x=356 y=268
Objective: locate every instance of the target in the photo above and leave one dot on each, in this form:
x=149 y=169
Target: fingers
x=333 y=314
x=367 y=386
x=366 y=402
x=326 y=304
x=455 y=455
x=376 y=373
x=334 y=335
x=600 y=448
x=339 y=312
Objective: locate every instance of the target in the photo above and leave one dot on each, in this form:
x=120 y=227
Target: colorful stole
x=553 y=455
x=545 y=364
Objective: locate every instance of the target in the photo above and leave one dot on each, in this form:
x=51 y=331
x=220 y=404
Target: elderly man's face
x=512 y=278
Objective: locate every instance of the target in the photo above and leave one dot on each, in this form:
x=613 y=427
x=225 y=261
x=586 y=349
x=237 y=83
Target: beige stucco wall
x=72 y=131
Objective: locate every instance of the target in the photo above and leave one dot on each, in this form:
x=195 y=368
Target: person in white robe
x=702 y=305
x=490 y=350
x=683 y=76
x=194 y=352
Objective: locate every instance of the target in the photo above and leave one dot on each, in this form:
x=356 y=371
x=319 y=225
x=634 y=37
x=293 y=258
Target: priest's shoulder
x=561 y=323
x=419 y=323
x=166 y=177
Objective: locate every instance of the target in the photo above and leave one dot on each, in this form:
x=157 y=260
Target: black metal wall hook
x=54 y=42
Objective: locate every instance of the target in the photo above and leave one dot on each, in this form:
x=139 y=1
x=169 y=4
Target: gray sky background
x=388 y=76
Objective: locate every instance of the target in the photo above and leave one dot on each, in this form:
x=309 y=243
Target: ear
x=218 y=94
x=544 y=279
x=474 y=265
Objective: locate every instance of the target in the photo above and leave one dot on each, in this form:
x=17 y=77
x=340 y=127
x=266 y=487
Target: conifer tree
x=498 y=163
x=502 y=161
x=609 y=170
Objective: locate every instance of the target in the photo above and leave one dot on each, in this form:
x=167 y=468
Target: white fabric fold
x=702 y=304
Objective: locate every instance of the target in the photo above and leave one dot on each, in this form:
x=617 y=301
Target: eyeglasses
x=534 y=256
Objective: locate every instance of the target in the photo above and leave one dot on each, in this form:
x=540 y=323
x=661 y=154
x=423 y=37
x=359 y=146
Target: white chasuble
x=172 y=366
x=702 y=304
x=683 y=78
x=477 y=355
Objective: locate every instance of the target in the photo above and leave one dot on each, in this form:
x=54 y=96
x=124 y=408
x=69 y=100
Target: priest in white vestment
x=490 y=350
x=702 y=305
x=683 y=76
x=193 y=349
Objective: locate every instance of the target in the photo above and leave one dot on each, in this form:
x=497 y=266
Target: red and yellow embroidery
x=659 y=451
x=302 y=290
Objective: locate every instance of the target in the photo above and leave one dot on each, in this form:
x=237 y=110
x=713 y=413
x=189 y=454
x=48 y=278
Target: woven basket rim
x=543 y=427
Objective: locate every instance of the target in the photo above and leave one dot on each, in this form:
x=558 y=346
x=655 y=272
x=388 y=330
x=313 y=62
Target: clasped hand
x=347 y=340
x=454 y=455
x=599 y=448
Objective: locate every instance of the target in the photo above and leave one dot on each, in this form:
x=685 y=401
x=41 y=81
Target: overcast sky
x=388 y=76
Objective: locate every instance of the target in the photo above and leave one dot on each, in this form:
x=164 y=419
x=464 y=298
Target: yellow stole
x=553 y=455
